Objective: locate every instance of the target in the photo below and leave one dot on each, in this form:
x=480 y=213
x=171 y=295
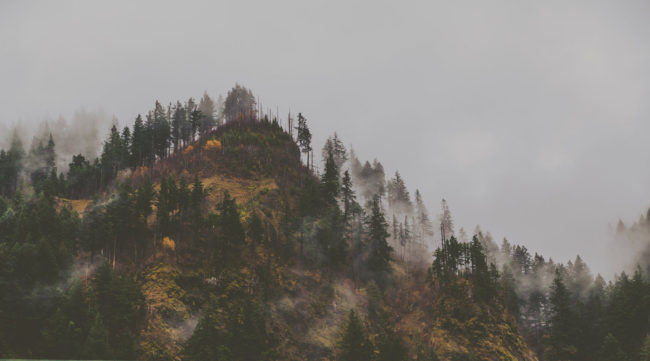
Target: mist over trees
x=156 y=264
x=240 y=103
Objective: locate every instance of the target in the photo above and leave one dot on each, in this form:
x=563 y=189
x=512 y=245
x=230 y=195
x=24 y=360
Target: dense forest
x=205 y=231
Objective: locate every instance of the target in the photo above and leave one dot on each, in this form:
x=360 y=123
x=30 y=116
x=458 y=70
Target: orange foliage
x=212 y=144
x=189 y=149
x=169 y=244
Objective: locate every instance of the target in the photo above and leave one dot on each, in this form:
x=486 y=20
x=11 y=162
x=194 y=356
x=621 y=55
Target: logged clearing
x=78 y=205
x=243 y=190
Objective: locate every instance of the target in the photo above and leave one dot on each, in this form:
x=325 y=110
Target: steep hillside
x=305 y=303
x=231 y=248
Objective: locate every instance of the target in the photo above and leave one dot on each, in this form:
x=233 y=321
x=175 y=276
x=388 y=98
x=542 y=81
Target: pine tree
x=231 y=231
x=221 y=108
x=50 y=154
x=194 y=116
x=446 y=222
x=335 y=146
x=125 y=148
x=561 y=333
x=240 y=103
x=424 y=225
x=113 y=155
x=483 y=285
x=164 y=206
x=331 y=237
x=178 y=126
x=354 y=344
x=255 y=229
x=144 y=198
x=304 y=136
x=96 y=345
x=139 y=147
x=389 y=345
x=330 y=181
x=611 y=350
x=232 y=327
x=43 y=162
x=11 y=163
x=379 y=252
x=509 y=294
x=350 y=205
x=208 y=114
x=196 y=199
x=161 y=131
x=398 y=195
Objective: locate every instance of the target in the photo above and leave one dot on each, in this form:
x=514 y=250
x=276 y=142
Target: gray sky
x=530 y=118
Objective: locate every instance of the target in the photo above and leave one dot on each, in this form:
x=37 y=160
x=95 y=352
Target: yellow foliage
x=162 y=338
x=189 y=149
x=169 y=244
x=212 y=144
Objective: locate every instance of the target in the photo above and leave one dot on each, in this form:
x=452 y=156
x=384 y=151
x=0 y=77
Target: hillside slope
x=242 y=254
x=306 y=304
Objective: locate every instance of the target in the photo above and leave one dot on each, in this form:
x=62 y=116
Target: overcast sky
x=531 y=118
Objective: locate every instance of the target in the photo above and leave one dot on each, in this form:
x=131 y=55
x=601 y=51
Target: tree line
x=164 y=130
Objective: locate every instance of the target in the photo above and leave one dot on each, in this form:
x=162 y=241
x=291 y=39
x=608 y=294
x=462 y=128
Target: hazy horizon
x=530 y=119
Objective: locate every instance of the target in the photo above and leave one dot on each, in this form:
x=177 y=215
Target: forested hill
x=206 y=232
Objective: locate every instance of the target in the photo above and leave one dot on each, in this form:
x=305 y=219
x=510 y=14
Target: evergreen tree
x=125 y=157
x=120 y=304
x=482 y=284
x=231 y=231
x=446 y=222
x=208 y=114
x=304 y=136
x=43 y=161
x=350 y=205
x=178 y=126
x=144 y=197
x=161 y=130
x=335 y=146
x=331 y=237
x=221 y=109
x=398 y=196
x=165 y=205
x=389 y=345
x=232 y=327
x=509 y=294
x=113 y=154
x=255 y=229
x=354 y=344
x=240 y=103
x=424 y=225
x=611 y=350
x=11 y=163
x=379 y=252
x=561 y=333
x=50 y=154
x=330 y=181
x=96 y=345
x=194 y=115
x=139 y=141
x=196 y=198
